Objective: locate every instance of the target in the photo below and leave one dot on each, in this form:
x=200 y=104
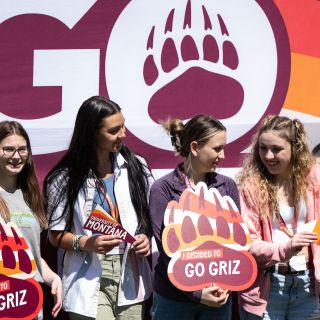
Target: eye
x=276 y=149
x=218 y=149
x=262 y=147
x=114 y=130
x=8 y=149
x=23 y=150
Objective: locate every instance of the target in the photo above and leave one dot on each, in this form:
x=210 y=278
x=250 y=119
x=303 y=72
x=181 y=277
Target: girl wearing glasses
x=103 y=277
x=279 y=193
x=21 y=201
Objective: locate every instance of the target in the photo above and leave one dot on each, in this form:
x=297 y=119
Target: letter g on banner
x=43 y=83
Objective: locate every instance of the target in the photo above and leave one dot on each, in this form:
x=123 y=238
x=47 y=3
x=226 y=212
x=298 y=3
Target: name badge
x=298 y=263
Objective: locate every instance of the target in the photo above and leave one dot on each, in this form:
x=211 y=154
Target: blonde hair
x=255 y=175
x=4 y=211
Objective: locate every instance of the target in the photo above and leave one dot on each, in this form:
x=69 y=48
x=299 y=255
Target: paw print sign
x=21 y=296
x=207 y=241
x=185 y=57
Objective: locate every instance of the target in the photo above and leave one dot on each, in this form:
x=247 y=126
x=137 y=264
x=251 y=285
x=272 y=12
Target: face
x=109 y=138
x=13 y=155
x=208 y=156
x=275 y=153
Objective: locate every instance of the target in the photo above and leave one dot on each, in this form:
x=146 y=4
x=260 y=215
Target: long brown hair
x=255 y=175
x=27 y=179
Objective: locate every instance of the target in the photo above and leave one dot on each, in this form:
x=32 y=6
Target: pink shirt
x=266 y=253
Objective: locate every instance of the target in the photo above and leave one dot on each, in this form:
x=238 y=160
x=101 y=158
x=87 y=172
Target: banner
x=158 y=59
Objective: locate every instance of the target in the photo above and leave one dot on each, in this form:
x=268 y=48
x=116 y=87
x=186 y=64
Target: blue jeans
x=164 y=308
x=292 y=297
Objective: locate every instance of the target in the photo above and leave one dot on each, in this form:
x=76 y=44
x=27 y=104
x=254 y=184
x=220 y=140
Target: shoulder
x=164 y=182
x=314 y=176
x=225 y=181
x=57 y=180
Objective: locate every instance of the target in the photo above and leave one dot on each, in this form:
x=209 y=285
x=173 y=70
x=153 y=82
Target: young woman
x=279 y=193
x=103 y=277
x=21 y=201
x=201 y=142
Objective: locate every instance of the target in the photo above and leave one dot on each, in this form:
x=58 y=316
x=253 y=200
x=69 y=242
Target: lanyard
x=113 y=209
x=188 y=182
x=283 y=225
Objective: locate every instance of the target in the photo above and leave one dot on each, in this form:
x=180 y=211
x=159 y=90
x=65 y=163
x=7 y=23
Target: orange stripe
x=11 y=272
x=304 y=88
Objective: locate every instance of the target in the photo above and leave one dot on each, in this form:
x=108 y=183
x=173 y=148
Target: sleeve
x=265 y=252
x=159 y=199
x=56 y=202
x=233 y=193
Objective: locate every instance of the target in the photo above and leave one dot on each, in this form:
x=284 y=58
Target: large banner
x=158 y=58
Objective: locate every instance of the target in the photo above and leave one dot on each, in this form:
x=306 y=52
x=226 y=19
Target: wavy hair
x=255 y=175
x=27 y=180
x=80 y=160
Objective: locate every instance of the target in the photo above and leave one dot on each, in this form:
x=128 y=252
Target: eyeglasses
x=9 y=151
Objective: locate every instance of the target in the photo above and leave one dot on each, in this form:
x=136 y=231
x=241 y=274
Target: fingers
x=303 y=239
x=102 y=244
x=56 y=291
x=214 y=296
x=142 y=245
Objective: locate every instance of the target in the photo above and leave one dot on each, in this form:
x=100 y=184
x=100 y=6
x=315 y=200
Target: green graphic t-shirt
x=28 y=224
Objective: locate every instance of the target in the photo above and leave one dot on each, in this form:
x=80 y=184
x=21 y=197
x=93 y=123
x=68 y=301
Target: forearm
x=65 y=240
x=48 y=275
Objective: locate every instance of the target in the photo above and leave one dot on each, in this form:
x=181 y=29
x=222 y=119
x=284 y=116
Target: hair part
x=255 y=174
x=27 y=180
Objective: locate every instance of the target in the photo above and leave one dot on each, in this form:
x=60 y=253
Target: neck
x=104 y=165
x=193 y=174
x=8 y=183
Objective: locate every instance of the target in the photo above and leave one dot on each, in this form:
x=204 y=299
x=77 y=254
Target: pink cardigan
x=266 y=253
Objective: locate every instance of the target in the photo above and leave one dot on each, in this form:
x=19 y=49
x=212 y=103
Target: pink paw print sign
x=21 y=296
x=207 y=241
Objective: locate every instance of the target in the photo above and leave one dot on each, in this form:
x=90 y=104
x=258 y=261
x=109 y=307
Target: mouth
x=15 y=165
x=118 y=145
x=272 y=164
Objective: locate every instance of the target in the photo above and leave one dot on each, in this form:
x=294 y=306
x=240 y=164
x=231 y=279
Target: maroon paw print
x=193 y=64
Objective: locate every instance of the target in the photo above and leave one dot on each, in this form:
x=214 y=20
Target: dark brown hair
x=27 y=179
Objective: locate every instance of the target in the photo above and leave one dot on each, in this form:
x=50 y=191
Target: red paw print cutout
x=207 y=241
x=21 y=296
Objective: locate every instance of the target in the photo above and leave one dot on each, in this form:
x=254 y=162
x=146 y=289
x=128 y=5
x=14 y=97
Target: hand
x=142 y=245
x=214 y=296
x=302 y=239
x=56 y=291
x=99 y=244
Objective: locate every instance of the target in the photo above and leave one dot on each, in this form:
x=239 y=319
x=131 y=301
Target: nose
x=122 y=133
x=221 y=154
x=269 y=155
x=16 y=154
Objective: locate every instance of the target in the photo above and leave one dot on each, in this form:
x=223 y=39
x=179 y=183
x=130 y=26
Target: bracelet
x=76 y=243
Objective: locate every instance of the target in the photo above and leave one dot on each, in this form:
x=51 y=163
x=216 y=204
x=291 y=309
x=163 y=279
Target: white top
x=81 y=272
x=287 y=214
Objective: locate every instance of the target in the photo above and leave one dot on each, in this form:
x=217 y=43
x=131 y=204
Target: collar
x=118 y=162
x=215 y=180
